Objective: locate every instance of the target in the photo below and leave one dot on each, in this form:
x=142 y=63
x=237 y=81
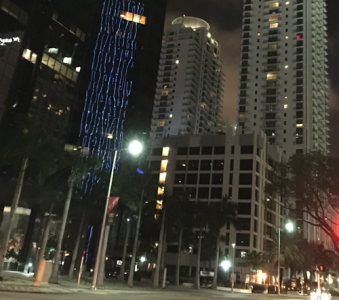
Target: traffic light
x=320 y=268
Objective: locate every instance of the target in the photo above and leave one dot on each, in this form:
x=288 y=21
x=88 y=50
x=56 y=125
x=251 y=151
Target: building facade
x=283 y=73
x=41 y=55
x=189 y=92
x=212 y=166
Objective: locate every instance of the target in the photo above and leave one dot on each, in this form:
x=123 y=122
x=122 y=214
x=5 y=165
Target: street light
x=134 y=148
x=142 y=259
x=225 y=265
x=289 y=226
x=232 y=276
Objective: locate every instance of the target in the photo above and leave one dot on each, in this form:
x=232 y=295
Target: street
x=147 y=295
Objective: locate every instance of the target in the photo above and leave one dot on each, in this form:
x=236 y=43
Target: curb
x=35 y=290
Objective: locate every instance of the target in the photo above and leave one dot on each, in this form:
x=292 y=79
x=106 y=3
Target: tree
x=82 y=165
x=30 y=145
x=311 y=183
x=256 y=260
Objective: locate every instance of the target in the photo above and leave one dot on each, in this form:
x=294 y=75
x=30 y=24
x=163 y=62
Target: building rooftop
x=191 y=22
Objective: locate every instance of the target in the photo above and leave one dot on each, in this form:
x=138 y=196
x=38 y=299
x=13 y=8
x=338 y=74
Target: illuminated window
x=273 y=18
x=165 y=151
x=161 y=123
x=286 y=37
x=271 y=76
x=300 y=125
x=298 y=37
x=27 y=54
x=128 y=16
x=275 y=4
x=272 y=46
x=162 y=178
x=163 y=165
x=53 y=50
x=159 y=205
x=258 y=33
x=67 y=60
x=274 y=25
x=164 y=92
x=288 y=2
x=286 y=67
x=285 y=106
x=160 y=191
x=241 y=116
x=177 y=62
x=171 y=116
x=78 y=69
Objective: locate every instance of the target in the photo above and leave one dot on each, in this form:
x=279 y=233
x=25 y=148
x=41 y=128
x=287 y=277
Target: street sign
x=113 y=201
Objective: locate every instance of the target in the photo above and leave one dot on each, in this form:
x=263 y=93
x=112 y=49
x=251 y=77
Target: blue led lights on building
x=107 y=95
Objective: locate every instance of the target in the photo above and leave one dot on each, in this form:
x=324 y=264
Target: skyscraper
x=283 y=74
x=189 y=93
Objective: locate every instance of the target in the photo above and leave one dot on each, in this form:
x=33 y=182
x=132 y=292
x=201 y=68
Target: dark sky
x=224 y=16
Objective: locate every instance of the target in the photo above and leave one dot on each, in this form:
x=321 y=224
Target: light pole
x=289 y=227
x=134 y=148
x=233 y=263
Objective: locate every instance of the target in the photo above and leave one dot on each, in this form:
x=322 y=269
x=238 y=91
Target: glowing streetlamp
x=142 y=259
x=225 y=265
x=134 y=148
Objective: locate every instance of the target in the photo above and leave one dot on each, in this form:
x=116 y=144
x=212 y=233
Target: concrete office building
x=189 y=91
x=211 y=166
x=283 y=74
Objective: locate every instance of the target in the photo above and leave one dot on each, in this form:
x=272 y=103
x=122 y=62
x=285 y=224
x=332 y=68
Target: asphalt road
x=147 y=295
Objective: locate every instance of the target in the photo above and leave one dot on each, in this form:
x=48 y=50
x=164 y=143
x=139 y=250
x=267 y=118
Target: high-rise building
x=283 y=74
x=189 y=92
x=42 y=46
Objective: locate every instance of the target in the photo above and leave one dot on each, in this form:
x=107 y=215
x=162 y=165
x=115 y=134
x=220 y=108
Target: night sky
x=224 y=16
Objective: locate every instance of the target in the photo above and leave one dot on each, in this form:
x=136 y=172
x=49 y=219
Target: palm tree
x=82 y=165
x=28 y=144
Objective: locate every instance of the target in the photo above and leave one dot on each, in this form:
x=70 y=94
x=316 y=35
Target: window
x=217 y=178
x=206 y=150
x=273 y=25
x=216 y=193
x=245 y=179
x=255 y=226
x=245 y=223
x=244 y=193
x=181 y=165
x=128 y=16
x=246 y=150
x=156 y=152
x=205 y=165
x=271 y=76
x=29 y=55
x=182 y=151
x=194 y=150
x=192 y=179
x=204 y=178
x=218 y=165
x=219 y=150
x=161 y=123
x=155 y=165
x=203 y=193
x=243 y=240
x=193 y=165
x=246 y=164
x=244 y=208
x=232 y=164
x=179 y=179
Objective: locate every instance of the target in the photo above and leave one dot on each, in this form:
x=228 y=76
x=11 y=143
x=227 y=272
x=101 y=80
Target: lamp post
x=233 y=260
x=289 y=227
x=134 y=148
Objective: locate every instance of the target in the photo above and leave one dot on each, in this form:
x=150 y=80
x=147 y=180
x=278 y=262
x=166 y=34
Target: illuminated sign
x=3 y=42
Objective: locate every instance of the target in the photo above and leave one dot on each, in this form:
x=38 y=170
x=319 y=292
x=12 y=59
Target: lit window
x=208 y=35
x=177 y=62
x=275 y=4
x=159 y=205
x=78 y=69
x=272 y=46
x=171 y=116
x=128 y=16
x=33 y=58
x=258 y=33
x=163 y=166
x=273 y=18
x=288 y=2
x=109 y=136
x=53 y=50
x=165 y=151
x=241 y=116
x=274 y=25
x=161 y=123
x=160 y=191
x=271 y=76
x=286 y=37
x=67 y=60
x=300 y=125
x=162 y=178
x=164 y=92
x=29 y=55
x=285 y=106
x=286 y=67
x=298 y=37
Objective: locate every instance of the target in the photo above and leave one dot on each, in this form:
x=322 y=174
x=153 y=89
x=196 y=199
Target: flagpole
x=98 y=258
